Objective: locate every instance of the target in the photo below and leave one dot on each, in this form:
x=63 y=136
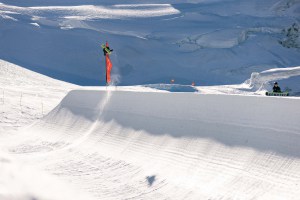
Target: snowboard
x=277 y=93
x=106 y=49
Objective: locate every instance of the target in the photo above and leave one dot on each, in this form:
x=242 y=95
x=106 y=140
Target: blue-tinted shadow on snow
x=151 y=180
x=173 y=87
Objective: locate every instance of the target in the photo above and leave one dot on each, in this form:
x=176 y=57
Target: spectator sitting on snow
x=276 y=88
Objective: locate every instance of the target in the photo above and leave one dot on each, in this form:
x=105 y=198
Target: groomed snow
x=148 y=145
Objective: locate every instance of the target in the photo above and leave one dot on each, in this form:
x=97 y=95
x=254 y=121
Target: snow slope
x=26 y=96
x=148 y=145
x=208 y=42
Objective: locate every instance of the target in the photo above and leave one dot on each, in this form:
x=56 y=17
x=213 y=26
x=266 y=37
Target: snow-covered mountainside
x=208 y=42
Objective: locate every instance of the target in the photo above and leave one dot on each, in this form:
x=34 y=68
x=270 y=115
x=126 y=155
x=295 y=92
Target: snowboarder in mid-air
x=276 y=88
x=107 y=51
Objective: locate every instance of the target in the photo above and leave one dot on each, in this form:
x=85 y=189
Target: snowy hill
x=26 y=96
x=137 y=145
x=149 y=142
x=208 y=42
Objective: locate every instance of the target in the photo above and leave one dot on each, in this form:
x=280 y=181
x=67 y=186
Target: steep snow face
x=26 y=96
x=209 y=42
x=135 y=145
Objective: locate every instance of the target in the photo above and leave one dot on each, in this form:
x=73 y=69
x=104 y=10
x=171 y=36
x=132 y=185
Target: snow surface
x=220 y=139
x=112 y=144
x=210 y=42
x=141 y=142
x=26 y=96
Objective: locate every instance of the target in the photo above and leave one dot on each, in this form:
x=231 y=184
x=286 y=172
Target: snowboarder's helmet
x=275 y=83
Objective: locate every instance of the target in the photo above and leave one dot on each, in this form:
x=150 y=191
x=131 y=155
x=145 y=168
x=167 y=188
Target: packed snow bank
x=260 y=82
x=121 y=145
x=264 y=80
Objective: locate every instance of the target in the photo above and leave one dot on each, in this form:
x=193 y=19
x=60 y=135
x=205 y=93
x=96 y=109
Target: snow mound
x=263 y=81
x=160 y=145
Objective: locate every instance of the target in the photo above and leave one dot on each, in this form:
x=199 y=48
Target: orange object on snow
x=108 y=68
x=193 y=83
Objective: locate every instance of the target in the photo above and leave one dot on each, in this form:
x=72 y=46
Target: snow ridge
x=171 y=145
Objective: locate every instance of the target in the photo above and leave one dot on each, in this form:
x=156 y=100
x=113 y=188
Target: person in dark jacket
x=276 y=88
x=107 y=47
